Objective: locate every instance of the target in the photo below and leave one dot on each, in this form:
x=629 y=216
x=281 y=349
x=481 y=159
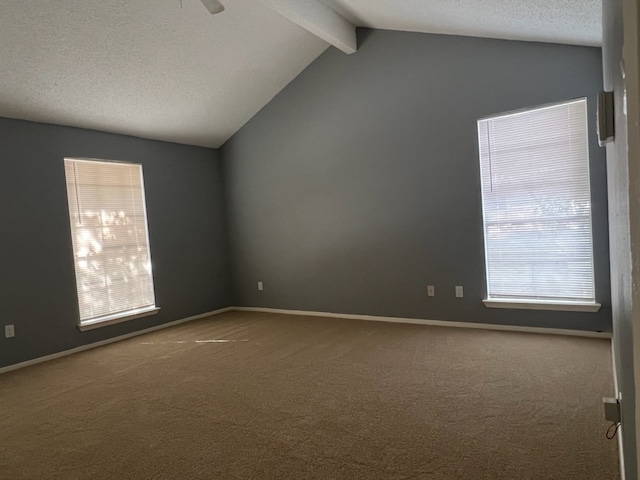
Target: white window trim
x=117 y=318
x=542 y=305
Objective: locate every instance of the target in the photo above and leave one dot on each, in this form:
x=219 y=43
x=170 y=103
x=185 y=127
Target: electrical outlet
x=431 y=290
x=9 y=331
x=260 y=287
x=459 y=291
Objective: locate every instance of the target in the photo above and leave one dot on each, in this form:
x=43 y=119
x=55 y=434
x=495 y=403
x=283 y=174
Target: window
x=110 y=241
x=536 y=201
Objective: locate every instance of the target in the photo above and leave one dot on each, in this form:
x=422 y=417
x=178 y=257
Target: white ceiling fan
x=214 y=6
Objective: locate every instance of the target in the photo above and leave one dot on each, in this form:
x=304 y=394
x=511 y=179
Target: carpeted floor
x=265 y=396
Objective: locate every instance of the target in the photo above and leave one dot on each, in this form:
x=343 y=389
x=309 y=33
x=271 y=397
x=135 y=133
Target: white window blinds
x=537 y=204
x=110 y=239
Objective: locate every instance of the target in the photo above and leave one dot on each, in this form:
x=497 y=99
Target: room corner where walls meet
x=358 y=184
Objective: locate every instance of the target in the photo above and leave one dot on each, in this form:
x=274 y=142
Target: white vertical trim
x=629 y=63
x=618 y=395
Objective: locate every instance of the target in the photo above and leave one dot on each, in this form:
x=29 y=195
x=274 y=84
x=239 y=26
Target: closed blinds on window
x=110 y=239
x=537 y=204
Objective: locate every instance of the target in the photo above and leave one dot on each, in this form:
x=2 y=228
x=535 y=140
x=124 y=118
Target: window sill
x=543 y=305
x=117 y=318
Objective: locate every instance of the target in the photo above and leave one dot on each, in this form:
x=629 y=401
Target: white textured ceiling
x=168 y=70
x=576 y=22
x=149 y=68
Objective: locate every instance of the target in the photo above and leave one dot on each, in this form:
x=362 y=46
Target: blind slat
x=537 y=204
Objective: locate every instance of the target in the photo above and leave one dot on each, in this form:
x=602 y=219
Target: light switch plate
x=459 y=291
x=431 y=290
x=260 y=287
x=9 y=331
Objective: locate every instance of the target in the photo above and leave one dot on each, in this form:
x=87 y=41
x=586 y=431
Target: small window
x=110 y=241
x=536 y=200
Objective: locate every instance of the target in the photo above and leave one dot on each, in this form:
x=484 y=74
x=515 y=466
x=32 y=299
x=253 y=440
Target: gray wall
x=37 y=285
x=622 y=186
x=358 y=185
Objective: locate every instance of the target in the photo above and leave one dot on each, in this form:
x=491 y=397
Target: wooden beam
x=317 y=18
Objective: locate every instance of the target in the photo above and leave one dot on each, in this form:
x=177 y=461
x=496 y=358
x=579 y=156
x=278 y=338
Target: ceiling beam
x=318 y=19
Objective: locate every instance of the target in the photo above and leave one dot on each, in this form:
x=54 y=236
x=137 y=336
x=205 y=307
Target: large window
x=110 y=241
x=537 y=208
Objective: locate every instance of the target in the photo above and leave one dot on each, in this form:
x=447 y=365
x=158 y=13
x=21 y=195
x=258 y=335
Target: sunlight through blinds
x=537 y=204
x=110 y=240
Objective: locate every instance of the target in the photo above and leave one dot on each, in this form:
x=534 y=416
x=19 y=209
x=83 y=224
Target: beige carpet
x=264 y=396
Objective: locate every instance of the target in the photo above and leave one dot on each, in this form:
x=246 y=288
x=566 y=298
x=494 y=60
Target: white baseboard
x=375 y=318
x=436 y=323
x=82 y=348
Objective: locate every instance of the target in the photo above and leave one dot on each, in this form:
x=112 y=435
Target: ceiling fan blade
x=214 y=6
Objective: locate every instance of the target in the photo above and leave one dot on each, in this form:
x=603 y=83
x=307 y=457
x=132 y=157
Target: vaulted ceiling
x=168 y=70
x=576 y=22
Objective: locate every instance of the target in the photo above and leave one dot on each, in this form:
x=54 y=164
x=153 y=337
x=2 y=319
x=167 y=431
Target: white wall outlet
x=459 y=291
x=9 y=331
x=431 y=290
x=260 y=287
